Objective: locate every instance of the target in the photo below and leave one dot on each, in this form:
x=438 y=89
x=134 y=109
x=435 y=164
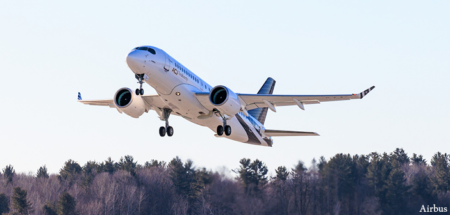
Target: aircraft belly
x=183 y=102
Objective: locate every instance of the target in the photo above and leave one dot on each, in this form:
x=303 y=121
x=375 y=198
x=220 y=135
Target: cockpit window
x=146 y=49
x=151 y=50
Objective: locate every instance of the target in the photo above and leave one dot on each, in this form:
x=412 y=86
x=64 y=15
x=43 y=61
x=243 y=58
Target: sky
x=51 y=50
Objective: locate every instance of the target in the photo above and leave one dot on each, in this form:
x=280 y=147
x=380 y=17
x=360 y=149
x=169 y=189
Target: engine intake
x=129 y=103
x=218 y=95
x=225 y=100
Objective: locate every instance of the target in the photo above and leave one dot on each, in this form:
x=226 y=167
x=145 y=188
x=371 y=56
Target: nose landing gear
x=223 y=128
x=140 y=78
x=166 y=129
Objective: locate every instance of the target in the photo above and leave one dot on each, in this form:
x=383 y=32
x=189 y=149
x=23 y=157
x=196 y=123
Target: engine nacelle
x=129 y=103
x=225 y=100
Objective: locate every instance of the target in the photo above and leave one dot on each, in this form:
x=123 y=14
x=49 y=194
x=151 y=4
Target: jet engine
x=225 y=100
x=129 y=103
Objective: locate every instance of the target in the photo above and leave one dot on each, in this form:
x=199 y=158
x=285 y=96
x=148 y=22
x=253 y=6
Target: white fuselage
x=176 y=86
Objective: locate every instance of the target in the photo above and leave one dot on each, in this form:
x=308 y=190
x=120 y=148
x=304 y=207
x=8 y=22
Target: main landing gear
x=140 y=78
x=223 y=128
x=167 y=129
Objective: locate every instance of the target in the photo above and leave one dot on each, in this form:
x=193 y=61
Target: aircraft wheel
x=162 y=131
x=227 y=130
x=220 y=130
x=137 y=91
x=141 y=91
x=169 y=131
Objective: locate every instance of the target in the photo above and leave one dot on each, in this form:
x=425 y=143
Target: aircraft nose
x=134 y=58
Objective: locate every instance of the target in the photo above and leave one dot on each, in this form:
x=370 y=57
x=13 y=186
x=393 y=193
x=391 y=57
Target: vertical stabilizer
x=261 y=113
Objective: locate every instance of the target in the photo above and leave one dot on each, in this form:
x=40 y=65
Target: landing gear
x=167 y=128
x=140 y=78
x=223 y=128
x=227 y=130
x=169 y=131
x=220 y=130
x=162 y=131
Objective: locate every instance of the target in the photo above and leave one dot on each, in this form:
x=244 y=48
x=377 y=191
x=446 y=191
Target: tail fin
x=261 y=113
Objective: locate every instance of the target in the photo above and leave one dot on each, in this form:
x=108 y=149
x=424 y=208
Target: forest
x=378 y=184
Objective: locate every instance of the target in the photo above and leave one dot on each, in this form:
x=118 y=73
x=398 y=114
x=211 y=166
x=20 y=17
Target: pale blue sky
x=50 y=50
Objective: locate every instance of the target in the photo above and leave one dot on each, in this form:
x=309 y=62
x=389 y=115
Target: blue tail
x=79 y=96
x=261 y=113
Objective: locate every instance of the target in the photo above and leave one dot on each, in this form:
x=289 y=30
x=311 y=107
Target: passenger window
x=142 y=48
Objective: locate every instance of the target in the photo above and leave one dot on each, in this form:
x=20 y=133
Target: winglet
x=79 y=96
x=365 y=92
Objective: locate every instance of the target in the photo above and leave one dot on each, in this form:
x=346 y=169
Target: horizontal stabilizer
x=279 y=133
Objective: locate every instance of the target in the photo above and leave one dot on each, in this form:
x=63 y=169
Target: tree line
x=378 y=184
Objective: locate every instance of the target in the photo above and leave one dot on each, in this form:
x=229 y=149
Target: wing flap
x=282 y=133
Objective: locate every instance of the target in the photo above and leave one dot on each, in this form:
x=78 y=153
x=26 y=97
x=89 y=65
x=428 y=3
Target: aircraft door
x=169 y=63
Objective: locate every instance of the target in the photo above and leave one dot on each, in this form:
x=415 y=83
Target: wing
x=151 y=101
x=280 y=133
x=105 y=102
x=252 y=101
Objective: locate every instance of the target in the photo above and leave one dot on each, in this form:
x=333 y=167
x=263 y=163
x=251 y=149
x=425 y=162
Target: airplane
x=182 y=93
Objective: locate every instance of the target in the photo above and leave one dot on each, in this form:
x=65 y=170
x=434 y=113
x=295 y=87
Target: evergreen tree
x=188 y=182
x=182 y=176
x=340 y=173
x=280 y=189
x=203 y=177
x=322 y=164
x=19 y=201
x=49 y=209
x=42 y=172
x=440 y=179
x=418 y=160
x=66 y=204
x=90 y=168
x=400 y=156
x=70 y=170
x=300 y=167
x=253 y=175
x=300 y=186
x=396 y=193
x=4 y=202
x=89 y=172
x=127 y=163
x=155 y=163
x=421 y=186
x=107 y=166
x=282 y=173
x=377 y=172
x=8 y=174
